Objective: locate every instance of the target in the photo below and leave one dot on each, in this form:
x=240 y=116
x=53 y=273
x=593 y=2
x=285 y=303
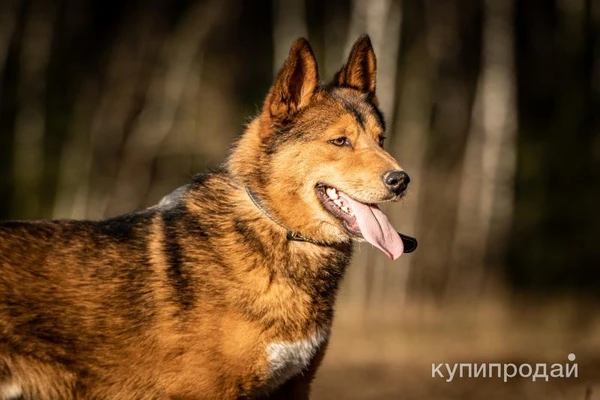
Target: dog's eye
x=341 y=141
x=381 y=141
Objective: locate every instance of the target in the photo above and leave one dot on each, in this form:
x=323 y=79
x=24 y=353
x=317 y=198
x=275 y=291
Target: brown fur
x=181 y=300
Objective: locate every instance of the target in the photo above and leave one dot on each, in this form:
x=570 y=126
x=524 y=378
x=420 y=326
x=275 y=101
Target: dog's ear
x=360 y=69
x=294 y=86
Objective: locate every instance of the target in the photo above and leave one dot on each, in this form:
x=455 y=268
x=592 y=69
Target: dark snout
x=396 y=181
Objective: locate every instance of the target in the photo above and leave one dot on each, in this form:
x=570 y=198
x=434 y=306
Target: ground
x=393 y=360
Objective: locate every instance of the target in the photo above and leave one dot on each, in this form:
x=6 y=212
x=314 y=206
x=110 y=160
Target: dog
x=226 y=289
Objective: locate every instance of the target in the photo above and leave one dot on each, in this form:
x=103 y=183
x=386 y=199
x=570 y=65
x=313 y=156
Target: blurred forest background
x=493 y=107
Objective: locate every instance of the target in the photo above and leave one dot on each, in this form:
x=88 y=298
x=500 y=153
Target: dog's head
x=315 y=155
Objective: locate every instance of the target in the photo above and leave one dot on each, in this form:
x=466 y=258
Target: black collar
x=290 y=235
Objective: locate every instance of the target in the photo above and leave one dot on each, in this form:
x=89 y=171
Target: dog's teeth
x=332 y=193
x=346 y=209
x=338 y=202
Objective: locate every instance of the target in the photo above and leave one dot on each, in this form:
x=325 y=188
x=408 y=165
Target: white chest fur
x=10 y=391
x=287 y=359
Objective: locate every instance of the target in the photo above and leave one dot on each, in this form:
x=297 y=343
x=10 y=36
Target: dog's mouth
x=362 y=220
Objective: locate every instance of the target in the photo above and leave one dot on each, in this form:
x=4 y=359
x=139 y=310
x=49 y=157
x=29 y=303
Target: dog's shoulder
x=202 y=185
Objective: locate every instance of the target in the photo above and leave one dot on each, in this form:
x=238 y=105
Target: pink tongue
x=376 y=227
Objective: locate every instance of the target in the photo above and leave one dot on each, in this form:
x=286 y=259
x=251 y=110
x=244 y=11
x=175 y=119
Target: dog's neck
x=274 y=267
x=290 y=234
x=243 y=158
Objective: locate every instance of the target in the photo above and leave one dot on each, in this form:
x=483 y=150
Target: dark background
x=493 y=107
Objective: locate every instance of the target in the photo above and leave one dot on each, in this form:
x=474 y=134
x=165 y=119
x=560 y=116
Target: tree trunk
x=486 y=193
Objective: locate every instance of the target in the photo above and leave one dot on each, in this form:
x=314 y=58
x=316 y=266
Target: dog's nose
x=396 y=181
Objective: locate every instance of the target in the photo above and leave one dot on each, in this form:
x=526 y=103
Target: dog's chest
x=288 y=358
